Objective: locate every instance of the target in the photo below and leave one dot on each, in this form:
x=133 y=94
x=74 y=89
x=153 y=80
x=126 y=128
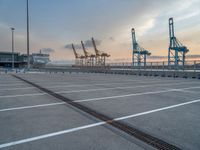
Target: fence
x=189 y=65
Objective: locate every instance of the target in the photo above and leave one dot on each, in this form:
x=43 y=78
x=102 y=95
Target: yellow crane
x=89 y=57
x=79 y=59
x=100 y=55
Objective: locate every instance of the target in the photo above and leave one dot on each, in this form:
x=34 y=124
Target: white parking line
x=122 y=96
x=79 y=85
x=22 y=95
x=129 y=95
x=187 y=91
x=98 y=89
x=72 y=85
x=157 y=110
x=96 y=84
x=62 y=82
x=44 y=136
x=187 y=88
x=120 y=87
x=19 y=88
x=33 y=106
x=3 y=85
x=103 y=98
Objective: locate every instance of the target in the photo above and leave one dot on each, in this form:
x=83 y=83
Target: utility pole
x=13 y=59
x=28 y=54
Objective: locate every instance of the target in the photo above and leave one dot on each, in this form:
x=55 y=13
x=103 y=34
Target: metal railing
x=161 y=65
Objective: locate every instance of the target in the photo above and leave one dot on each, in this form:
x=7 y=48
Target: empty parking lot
x=98 y=111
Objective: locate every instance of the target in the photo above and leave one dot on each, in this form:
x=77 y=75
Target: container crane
x=100 y=55
x=89 y=58
x=176 y=51
x=139 y=54
x=144 y=54
x=78 y=58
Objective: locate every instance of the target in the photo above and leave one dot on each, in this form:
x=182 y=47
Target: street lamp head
x=12 y=29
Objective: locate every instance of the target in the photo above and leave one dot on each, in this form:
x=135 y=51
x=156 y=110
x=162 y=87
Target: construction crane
x=176 y=51
x=100 y=55
x=79 y=59
x=139 y=54
x=89 y=58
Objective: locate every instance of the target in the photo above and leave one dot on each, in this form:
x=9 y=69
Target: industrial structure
x=79 y=59
x=176 y=51
x=20 y=60
x=101 y=56
x=89 y=58
x=6 y=60
x=139 y=54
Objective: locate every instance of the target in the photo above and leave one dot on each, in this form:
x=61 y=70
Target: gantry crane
x=139 y=54
x=89 y=58
x=176 y=51
x=100 y=55
x=79 y=59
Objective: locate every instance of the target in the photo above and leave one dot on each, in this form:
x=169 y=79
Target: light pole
x=13 y=59
x=28 y=55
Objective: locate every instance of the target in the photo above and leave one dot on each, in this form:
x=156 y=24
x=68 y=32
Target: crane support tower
x=176 y=51
x=79 y=59
x=101 y=56
x=139 y=54
x=89 y=58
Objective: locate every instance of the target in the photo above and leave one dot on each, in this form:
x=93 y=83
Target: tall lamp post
x=13 y=59
x=28 y=55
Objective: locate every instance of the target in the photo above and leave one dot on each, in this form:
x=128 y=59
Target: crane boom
x=95 y=47
x=74 y=50
x=84 y=50
x=134 y=39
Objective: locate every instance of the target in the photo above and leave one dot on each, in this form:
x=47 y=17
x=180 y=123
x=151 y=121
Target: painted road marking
x=82 y=85
x=22 y=95
x=102 y=98
x=129 y=95
x=44 y=136
x=90 y=90
x=32 y=106
x=79 y=85
x=21 y=83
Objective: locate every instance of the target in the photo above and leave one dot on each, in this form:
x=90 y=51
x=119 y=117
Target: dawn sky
x=56 y=23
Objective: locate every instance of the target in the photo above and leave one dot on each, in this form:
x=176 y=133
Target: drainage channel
x=142 y=136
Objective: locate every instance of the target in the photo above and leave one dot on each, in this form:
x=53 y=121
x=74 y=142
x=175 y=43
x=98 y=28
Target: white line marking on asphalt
x=187 y=88
x=122 y=96
x=92 y=125
x=19 y=88
x=33 y=106
x=78 y=85
x=62 y=82
x=157 y=110
x=22 y=95
x=120 y=87
x=187 y=91
x=99 y=89
x=116 y=83
x=102 y=98
x=96 y=84
x=129 y=95
x=2 y=85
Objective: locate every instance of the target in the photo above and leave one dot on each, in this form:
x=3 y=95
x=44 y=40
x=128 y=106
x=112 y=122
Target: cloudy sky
x=54 y=24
